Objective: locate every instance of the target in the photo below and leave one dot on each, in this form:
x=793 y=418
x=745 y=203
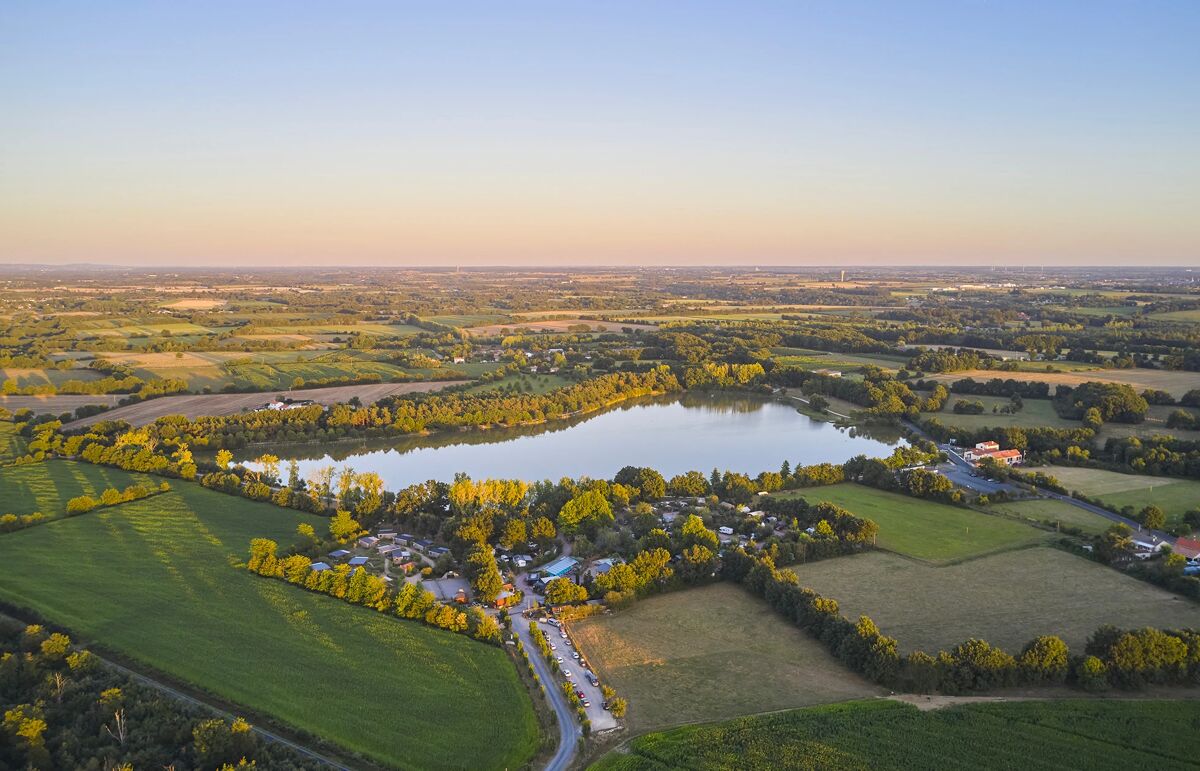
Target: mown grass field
x=925 y=530
x=1175 y=383
x=46 y=487
x=158 y=581
x=1036 y=412
x=806 y=359
x=1050 y=511
x=710 y=653
x=1006 y=599
x=1173 y=496
x=888 y=734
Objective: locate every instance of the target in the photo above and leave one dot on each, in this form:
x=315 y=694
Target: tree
x=485 y=576
x=512 y=534
x=223 y=459
x=695 y=533
x=343 y=528
x=584 y=511
x=1044 y=660
x=1152 y=517
x=564 y=591
x=543 y=531
x=305 y=530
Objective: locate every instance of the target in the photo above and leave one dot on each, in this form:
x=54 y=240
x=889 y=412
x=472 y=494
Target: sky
x=589 y=133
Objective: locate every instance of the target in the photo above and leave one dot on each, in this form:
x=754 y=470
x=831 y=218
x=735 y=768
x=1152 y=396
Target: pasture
x=1006 y=599
x=1173 y=496
x=12 y=444
x=158 y=580
x=707 y=654
x=924 y=530
x=887 y=734
x=1036 y=412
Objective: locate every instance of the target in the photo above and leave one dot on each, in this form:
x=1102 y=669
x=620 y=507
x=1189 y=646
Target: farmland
x=142 y=413
x=925 y=530
x=1048 y=510
x=710 y=653
x=888 y=734
x=132 y=577
x=46 y=487
x=1173 y=496
x=1006 y=599
x=1174 y=383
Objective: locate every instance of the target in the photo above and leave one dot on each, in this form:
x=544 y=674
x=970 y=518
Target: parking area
x=580 y=674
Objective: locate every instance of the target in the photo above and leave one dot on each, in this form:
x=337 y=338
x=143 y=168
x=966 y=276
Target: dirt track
x=193 y=405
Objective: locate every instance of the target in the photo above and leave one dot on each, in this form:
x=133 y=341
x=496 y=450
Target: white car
x=575 y=655
x=562 y=635
x=553 y=647
x=559 y=659
x=566 y=673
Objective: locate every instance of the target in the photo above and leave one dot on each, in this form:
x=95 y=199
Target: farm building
x=992 y=450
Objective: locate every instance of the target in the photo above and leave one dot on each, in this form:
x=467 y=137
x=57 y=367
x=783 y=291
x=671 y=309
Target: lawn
x=1006 y=599
x=925 y=530
x=1051 y=511
x=46 y=487
x=157 y=580
x=888 y=734
x=707 y=654
x=1173 y=496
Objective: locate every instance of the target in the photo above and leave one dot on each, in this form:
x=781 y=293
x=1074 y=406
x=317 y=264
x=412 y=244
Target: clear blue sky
x=587 y=132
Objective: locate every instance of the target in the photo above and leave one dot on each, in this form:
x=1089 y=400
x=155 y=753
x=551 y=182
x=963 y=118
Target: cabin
x=357 y=561
x=339 y=554
x=320 y=567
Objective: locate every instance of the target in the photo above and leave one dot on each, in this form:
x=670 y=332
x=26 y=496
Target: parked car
x=553 y=647
x=562 y=635
x=575 y=655
x=566 y=673
x=595 y=681
x=559 y=659
x=587 y=703
x=579 y=694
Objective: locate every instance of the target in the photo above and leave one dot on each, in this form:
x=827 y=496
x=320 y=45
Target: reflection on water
x=672 y=434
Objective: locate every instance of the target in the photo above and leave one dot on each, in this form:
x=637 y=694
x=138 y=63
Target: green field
x=1173 y=496
x=529 y=384
x=888 y=734
x=925 y=530
x=710 y=653
x=12 y=444
x=1050 y=511
x=806 y=359
x=1006 y=599
x=1036 y=412
x=46 y=487
x=157 y=580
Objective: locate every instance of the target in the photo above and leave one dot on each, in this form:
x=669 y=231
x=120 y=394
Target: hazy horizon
x=625 y=134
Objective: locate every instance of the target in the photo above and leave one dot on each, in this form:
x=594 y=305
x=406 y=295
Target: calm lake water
x=672 y=434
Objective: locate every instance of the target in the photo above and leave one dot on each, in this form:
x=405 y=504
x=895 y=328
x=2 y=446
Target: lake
x=671 y=434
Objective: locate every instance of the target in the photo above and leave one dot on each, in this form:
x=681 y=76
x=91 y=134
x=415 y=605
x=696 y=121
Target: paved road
x=959 y=473
x=568 y=729
x=600 y=718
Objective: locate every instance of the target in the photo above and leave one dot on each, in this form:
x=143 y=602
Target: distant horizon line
x=752 y=267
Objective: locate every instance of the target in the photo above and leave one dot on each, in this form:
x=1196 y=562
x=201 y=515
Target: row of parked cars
x=591 y=677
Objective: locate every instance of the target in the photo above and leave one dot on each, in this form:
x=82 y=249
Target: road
x=568 y=729
x=564 y=646
x=958 y=472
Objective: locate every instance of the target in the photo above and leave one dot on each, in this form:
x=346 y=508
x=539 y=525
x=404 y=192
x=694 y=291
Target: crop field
x=1174 y=383
x=46 y=487
x=925 y=530
x=56 y=404
x=887 y=734
x=1047 y=510
x=552 y=325
x=158 y=580
x=1190 y=317
x=378 y=330
x=171 y=328
x=1006 y=599
x=710 y=653
x=467 y=319
x=1173 y=496
x=192 y=406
